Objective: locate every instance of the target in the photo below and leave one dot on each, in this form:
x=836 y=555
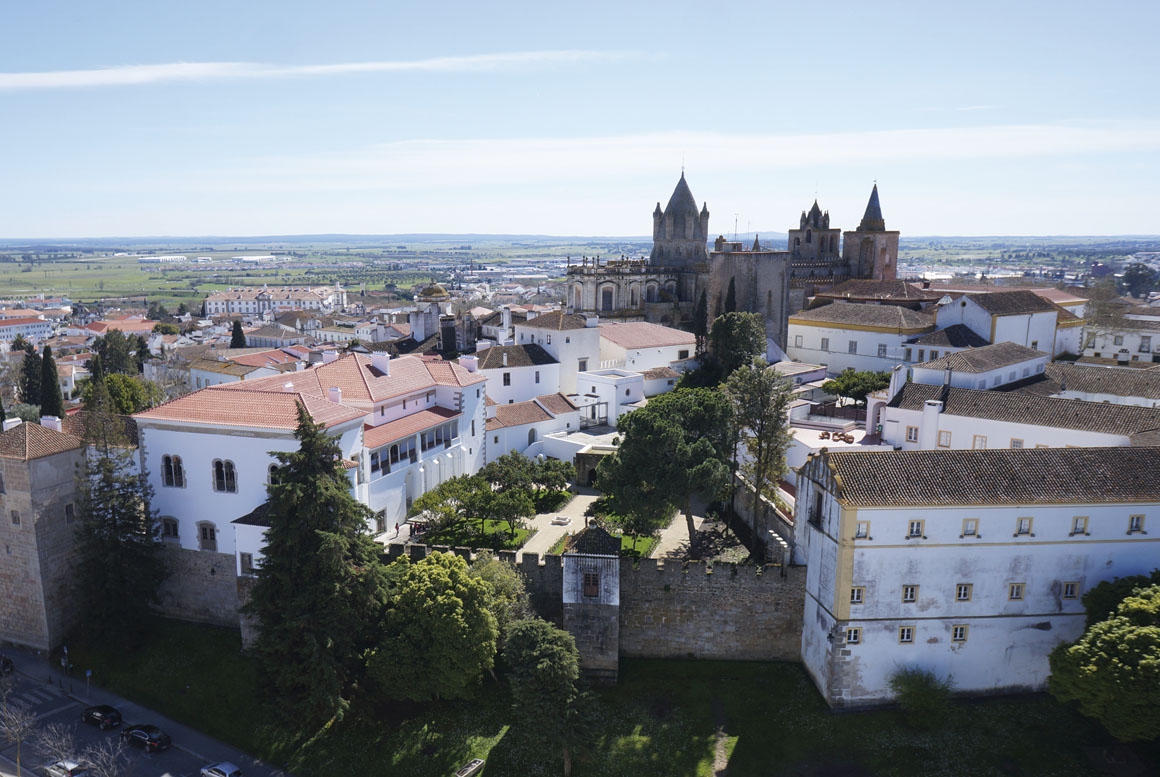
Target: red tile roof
x=376 y=436
x=641 y=334
x=33 y=441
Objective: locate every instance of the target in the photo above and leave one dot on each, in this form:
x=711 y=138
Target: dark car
x=149 y=738
x=6 y=666
x=102 y=715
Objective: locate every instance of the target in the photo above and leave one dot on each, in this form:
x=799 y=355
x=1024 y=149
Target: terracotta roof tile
x=529 y=355
x=884 y=316
x=984 y=358
x=996 y=477
x=29 y=441
x=518 y=414
x=558 y=320
x=954 y=336
x=557 y=404
x=1011 y=303
x=641 y=334
x=241 y=405
x=377 y=436
x=593 y=541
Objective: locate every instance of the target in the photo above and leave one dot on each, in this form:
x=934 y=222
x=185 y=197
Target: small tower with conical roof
x=591 y=562
x=813 y=240
x=871 y=251
x=680 y=231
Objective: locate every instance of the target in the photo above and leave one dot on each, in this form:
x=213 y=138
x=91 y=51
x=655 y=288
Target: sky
x=278 y=118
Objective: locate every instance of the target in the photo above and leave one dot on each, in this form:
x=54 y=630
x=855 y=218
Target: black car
x=149 y=738
x=102 y=715
x=6 y=666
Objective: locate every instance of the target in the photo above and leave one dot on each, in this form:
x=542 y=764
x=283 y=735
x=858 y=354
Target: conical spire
x=682 y=202
x=756 y=243
x=873 y=221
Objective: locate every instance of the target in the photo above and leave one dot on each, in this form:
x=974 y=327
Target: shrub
x=925 y=699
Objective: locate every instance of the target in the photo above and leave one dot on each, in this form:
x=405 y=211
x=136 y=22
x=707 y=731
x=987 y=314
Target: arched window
x=395 y=454
x=172 y=473
x=809 y=236
x=225 y=477
x=272 y=475
x=169 y=529
x=531 y=436
x=606 y=298
x=797 y=242
x=578 y=297
x=650 y=293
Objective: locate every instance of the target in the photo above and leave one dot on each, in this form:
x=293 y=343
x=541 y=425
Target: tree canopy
x=854 y=384
x=51 y=398
x=128 y=393
x=321 y=585
x=1139 y=279
x=237 y=336
x=1113 y=671
x=31 y=374
x=439 y=636
x=674 y=447
x=116 y=352
x=735 y=339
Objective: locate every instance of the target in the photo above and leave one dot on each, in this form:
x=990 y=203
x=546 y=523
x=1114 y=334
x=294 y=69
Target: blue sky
x=255 y=117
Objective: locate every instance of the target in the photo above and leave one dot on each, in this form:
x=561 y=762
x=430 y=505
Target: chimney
x=507 y=319
x=929 y=430
x=469 y=363
x=482 y=345
x=926 y=285
x=504 y=358
x=334 y=394
x=381 y=361
x=947 y=376
x=51 y=422
x=11 y=423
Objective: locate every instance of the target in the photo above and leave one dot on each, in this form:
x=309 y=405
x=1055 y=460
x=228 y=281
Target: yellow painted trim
x=844 y=579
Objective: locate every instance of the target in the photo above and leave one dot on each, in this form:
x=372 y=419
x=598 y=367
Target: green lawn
x=665 y=718
x=496 y=535
x=630 y=545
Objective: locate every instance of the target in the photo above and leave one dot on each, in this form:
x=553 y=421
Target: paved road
x=55 y=698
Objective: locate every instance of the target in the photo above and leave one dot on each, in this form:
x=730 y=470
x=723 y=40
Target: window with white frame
x=959 y=633
x=1071 y=590
x=906 y=635
x=857 y=594
x=1022 y=526
x=206 y=536
x=225 y=476
x=853 y=636
x=912 y=434
x=861 y=530
x=944 y=438
x=979 y=441
x=916 y=529
x=1136 y=524
x=1016 y=443
x=1079 y=525
x=1015 y=592
x=825 y=343
x=964 y=591
x=853 y=347
x=797 y=341
x=909 y=594
x=172 y=472
x=881 y=351
x=169 y=529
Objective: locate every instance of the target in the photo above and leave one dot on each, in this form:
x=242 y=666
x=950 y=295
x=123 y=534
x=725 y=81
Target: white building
x=32 y=328
x=516 y=373
x=572 y=340
x=990 y=366
x=971 y=564
x=842 y=335
x=1129 y=340
x=640 y=346
x=521 y=425
x=257 y=301
x=603 y=396
x=1096 y=383
x=403 y=425
x=1011 y=316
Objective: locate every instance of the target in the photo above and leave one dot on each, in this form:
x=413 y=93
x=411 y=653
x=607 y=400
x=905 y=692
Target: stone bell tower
x=871 y=251
x=680 y=231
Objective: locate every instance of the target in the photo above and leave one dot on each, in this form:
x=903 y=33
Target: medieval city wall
x=200 y=586
x=721 y=611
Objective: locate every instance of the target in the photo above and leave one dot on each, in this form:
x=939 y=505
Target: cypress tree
x=731 y=297
x=238 y=337
x=51 y=399
x=701 y=322
x=30 y=373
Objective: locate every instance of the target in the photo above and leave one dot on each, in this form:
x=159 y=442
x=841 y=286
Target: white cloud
x=126 y=75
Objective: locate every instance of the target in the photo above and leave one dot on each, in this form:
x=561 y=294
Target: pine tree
x=30 y=371
x=731 y=297
x=238 y=337
x=120 y=567
x=321 y=587
x=51 y=398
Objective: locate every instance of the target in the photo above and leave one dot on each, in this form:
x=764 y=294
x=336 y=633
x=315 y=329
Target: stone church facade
x=665 y=288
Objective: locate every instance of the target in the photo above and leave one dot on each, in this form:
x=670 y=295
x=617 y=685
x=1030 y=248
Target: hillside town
x=953 y=516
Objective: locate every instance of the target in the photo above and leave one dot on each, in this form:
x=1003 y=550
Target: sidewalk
x=548 y=533
x=208 y=750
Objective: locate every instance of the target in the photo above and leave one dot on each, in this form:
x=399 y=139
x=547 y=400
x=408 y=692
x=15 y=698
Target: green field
x=665 y=718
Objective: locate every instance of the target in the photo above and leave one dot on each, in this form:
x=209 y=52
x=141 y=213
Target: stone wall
x=693 y=610
x=596 y=630
x=201 y=586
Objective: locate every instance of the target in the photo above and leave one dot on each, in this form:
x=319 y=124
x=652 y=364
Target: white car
x=66 y=769
x=223 y=769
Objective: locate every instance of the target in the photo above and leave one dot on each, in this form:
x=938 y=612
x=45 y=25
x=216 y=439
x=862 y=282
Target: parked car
x=149 y=738
x=223 y=769
x=6 y=665
x=102 y=715
x=66 y=769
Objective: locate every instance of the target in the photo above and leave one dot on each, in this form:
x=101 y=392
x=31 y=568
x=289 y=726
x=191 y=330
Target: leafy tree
x=1113 y=670
x=451 y=501
x=117 y=538
x=19 y=343
x=760 y=399
x=116 y=352
x=924 y=697
x=553 y=474
x=508 y=599
x=439 y=636
x=156 y=312
x=674 y=447
x=544 y=667
x=1100 y=602
x=1138 y=280
x=31 y=373
x=237 y=337
x=634 y=523
x=731 y=297
x=129 y=393
x=167 y=329
x=511 y=507
x=735 y=339
x=855 y=385
x=51 y=398
x=321 y=585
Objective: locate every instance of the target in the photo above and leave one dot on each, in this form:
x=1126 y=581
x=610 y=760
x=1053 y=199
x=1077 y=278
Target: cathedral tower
x=813 y=240
x=871 y=251
x=680 y=232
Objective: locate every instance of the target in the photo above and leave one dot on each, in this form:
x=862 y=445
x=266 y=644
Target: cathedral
x=666 y=287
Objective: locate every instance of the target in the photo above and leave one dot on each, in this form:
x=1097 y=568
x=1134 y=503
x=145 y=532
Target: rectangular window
x=1022 y=526
x=537 y=376
x=797 y=341
x=944 y=439
x=857 y=594
x=247 y=562
x=963 y=592
x=69 y=513
x=861 y=530
x=507 y=378
x=1015 y=592
x=909 y=594
x=906 y=634
x=933 y=354
x=591 y=584
x=1136 y=524
x=1079 y=525
x=912 y=434
x=979 y=441
x=1146 y=344
x=684 y=354
x=1071 y=590
x=1016 y=442
x=853 y=347
x=959 y=633
x=970 y=527
x=853 y=636
x=881 y=351
x=906 y=354
x=916 y=530
x=15 y=514
x=825 y=343
x=583 y=367
x=1118 y=340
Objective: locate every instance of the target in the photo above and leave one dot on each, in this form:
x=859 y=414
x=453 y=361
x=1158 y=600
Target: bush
x=924 y=698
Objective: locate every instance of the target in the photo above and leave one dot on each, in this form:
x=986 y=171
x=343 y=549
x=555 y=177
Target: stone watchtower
x=680 y=232
x=592 y=601
x=871 y=251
